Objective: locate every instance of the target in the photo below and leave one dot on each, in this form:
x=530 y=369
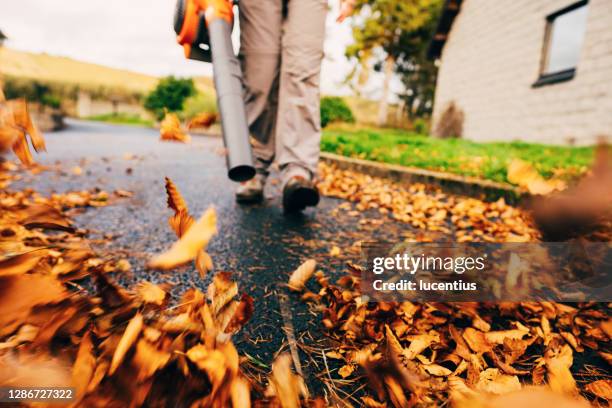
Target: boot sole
x=299 y=199
x=251 y=199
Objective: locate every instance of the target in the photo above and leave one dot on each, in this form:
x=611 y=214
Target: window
x=563 y=42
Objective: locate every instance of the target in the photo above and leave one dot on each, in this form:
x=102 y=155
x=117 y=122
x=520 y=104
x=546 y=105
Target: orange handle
x=212 y=9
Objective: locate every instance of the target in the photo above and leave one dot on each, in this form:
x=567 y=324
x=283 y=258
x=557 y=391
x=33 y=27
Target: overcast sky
x=132 y=34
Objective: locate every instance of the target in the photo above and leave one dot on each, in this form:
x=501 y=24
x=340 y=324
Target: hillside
x=44 y=67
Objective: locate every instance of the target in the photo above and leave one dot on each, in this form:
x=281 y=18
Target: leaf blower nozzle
x=204 y=29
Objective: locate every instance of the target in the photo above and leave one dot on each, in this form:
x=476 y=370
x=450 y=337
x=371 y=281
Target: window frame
x=558 y=76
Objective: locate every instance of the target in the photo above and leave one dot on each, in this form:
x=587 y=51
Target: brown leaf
x=45 y=216
x=188 y=246
x=203 y=263
x=370 y=402
x=181 y=222
x=84 y=365
x=346 y=370
x=26 y=333
x=148 y=359
x=240 y=393
x=284 y=385
x=437 y=370
x=151 y=293
x=242 y=314
x=498 y=337
x=39 y=370
x=493 y=381
x=601 y=389
x=175 y=199
x=396 y=393
x=558 y=361
x=477 y=340
x=20 y=293
x=20 y=264
x=525 y=175
x=221 y=292
x=420 y=342
x=202 y=120
x=301 y=275
x=72 y=260
x=127 y=340
x=527 y=397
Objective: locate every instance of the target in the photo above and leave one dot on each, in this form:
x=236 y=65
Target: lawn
x=483 y=160
x=123 y=119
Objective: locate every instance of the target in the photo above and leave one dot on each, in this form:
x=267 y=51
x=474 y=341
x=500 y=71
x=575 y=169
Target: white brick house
x=531 y=70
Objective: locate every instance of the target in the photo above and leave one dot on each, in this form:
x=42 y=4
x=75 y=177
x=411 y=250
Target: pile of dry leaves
x=118 y=347
x=468 y=219
x=473 y=354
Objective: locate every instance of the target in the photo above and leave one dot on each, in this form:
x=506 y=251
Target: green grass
x=483 y=160
x=123 y=119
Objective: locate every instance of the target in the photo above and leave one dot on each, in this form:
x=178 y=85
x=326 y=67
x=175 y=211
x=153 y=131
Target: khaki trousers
x=281 y=52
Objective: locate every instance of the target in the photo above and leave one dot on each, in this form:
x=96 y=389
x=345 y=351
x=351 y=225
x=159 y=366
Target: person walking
x=281 y=50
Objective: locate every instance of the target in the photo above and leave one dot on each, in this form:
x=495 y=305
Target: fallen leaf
x=301 y=275
x=493 y=381
x=84 y=365
x=558 y=361
x=151 y=293
x=20 y=264
x=285 y=386
x=370 y=402
x=335 y=251
x=202 y=120
x=130 y=335
x=437 y=370
x=525 y=175
x=148 y=359
x=240 y=393
x=601 y=389
x=346 y=370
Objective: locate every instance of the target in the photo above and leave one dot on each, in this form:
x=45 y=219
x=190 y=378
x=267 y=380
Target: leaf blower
x=204 y=29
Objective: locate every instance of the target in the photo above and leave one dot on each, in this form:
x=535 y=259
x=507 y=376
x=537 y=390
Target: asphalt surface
x=258 y=244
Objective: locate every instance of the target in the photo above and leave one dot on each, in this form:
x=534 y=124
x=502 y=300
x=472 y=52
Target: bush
x=169 y=94
x=32 y=91
x=421 y=127
x=335 y=109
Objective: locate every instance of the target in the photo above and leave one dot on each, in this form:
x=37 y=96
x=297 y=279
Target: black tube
x=228 y=84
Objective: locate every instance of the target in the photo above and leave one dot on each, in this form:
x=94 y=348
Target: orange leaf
x=188 y=246
x=175 y=199
x=127 y=340
x=151 y=293
x=301 y=275
x=84 y=365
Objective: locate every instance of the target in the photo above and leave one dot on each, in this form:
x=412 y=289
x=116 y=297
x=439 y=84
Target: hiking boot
x=299 y=193
x=251 y=191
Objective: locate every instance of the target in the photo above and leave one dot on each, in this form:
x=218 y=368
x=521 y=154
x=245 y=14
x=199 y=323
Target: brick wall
x=492 y=58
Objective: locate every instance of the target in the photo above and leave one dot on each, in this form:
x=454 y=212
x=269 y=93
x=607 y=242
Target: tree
x=169 y=94
x=417 y=71
x=386 y=25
